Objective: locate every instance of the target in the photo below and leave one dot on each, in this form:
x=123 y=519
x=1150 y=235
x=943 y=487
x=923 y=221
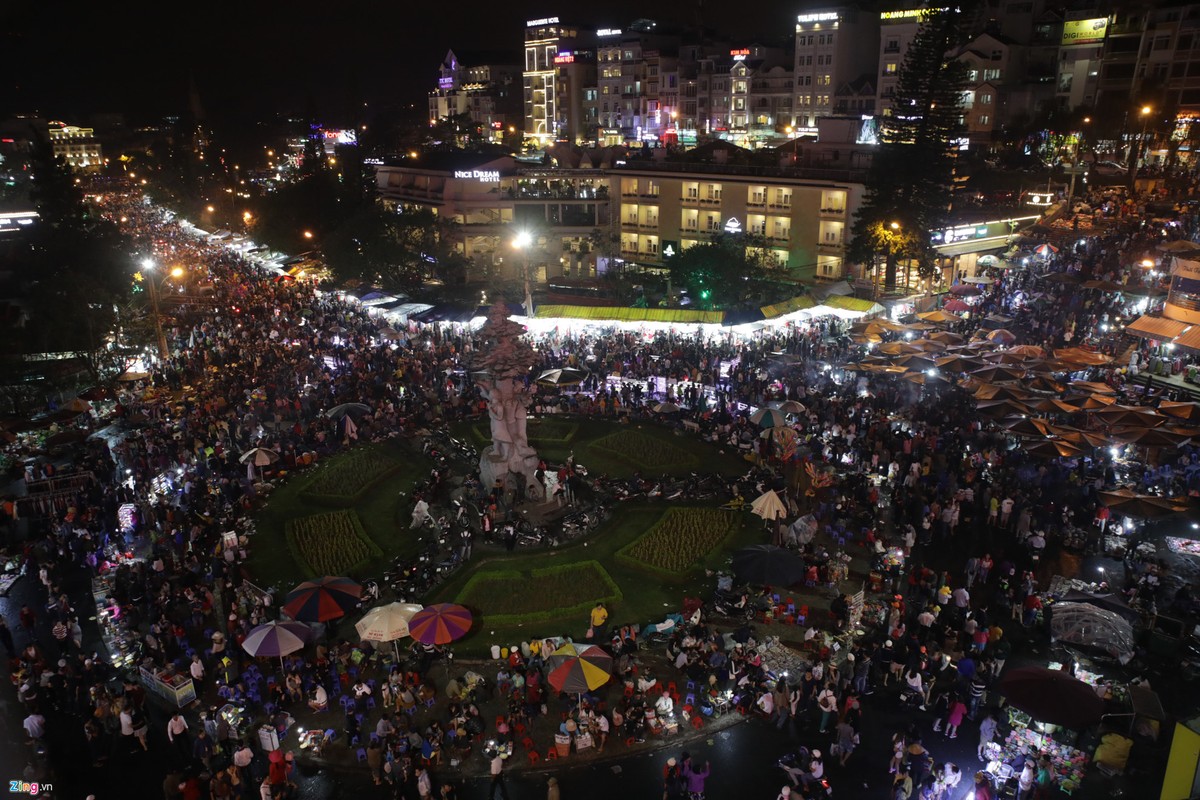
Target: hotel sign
x=906 y=14
x=565 y=57
x=609 y=32
x=824 y=16
x=740 y=54
x=481 y=175
x=533 y=23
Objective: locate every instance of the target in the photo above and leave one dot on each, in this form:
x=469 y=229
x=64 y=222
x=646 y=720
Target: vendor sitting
x=645 y=683
x=319 y=700
x=361 y=689
x=664 y=706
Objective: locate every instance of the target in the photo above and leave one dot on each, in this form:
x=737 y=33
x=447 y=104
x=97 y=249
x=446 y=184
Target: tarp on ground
x=624 y=314
x=1086 y=625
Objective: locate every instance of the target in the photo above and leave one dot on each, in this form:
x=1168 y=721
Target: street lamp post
x=893 y=230
x=149 y=266
x=1075 y=164
x=521 y=242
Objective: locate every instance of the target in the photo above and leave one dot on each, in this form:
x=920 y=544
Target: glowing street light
x=308 y=234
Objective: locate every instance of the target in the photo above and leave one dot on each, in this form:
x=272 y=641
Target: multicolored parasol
x=322 y=599
x=440 y=623
x=577 y=668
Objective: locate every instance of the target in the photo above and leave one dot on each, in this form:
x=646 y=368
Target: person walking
x=696 y=778
x=827 y=703
x=597 y=618
x=498 y=782
x=552 y=792
x=177 y=735
x=987 y=732
x=6 y=638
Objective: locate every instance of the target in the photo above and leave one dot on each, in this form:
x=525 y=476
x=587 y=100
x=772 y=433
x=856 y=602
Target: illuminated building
x=480 y=85
x=836 y=48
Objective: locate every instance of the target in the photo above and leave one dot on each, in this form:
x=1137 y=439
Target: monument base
x=493 y=467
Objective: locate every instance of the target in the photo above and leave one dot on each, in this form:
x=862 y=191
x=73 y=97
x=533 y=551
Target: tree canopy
x=729 y=271
x=912 y=173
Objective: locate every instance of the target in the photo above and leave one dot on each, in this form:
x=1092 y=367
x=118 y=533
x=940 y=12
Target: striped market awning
x=1161 y=328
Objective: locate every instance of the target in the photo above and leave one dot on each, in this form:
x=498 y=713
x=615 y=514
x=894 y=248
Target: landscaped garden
x=351 y=516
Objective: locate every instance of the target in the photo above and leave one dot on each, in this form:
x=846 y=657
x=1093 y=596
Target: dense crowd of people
x=915 y=465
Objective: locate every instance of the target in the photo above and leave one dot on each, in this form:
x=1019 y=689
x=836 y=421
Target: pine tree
x=912 y=174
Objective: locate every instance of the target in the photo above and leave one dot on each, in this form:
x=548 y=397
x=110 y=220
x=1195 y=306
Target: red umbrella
x=956 y=306
x=440 y=623
x=322 y=599
x=1052 y=696
x=965 y=290
x=1046 y=249
x=578 y=668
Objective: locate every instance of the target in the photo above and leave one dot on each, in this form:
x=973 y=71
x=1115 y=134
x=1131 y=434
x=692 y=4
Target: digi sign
x=609 y=32
x=533 y=23
x=564 y=57
x=740 y=54
x=1084 y=31
x=824 y=16
x=446 y=82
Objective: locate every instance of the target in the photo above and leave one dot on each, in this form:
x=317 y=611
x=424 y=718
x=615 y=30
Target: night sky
x=253 y=58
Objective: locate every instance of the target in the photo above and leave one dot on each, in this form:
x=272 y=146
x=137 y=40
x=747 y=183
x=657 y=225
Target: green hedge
x=344 y=481
x=333 y=543
x=647 y=452
x=680 y=540
x=551 y=594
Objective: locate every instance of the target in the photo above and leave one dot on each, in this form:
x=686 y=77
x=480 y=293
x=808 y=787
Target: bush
x=647 y=452
x=553 y=594
x=679 y=540
x=345 y=479
x=333 y=543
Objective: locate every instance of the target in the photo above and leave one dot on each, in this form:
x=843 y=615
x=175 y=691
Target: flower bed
x=333 y=543
x=681 y=538
x=647 y=452
x=547 y=431
x=344 y=480
x=508 y=597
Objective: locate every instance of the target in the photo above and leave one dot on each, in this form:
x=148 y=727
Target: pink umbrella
x=956 y=306
x=965 y=290
x=440 y=623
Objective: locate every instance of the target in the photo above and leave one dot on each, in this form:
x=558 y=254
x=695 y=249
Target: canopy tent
x=1109 y=602
x=1089 y=625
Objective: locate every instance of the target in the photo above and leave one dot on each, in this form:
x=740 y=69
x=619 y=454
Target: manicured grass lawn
x=647 y=596
x=383 y=513
x=616 y=449
x=540 y=592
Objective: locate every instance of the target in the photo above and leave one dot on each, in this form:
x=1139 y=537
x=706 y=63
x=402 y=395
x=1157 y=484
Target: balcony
x=833 y=213
x=648 y=224
x=829 y=247
x=690 y=200
x=784 y=236
x=628 y=250
x=710 y=201
x=629 y=223
x=781 y=206
x=649 y=195
x=760 y=202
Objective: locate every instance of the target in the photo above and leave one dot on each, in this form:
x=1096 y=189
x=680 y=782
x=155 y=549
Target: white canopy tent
x=1089 y=625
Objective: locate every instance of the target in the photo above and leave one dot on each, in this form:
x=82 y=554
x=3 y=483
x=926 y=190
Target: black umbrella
x=1052 y=696
x=768 y=564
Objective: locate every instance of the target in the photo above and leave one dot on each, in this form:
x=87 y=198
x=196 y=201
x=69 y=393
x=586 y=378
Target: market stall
x=167 y=683
x=121 y=643
x=1068 y=764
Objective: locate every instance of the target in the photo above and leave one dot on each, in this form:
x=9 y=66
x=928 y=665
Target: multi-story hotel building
x=834 y=47
x=550 y=58
x=75 y=145
x=480 y=85
x=589 y=210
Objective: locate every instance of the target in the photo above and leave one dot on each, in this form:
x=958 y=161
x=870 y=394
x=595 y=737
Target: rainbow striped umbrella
x=322 y=599
x=440 y=623
x=578 y=668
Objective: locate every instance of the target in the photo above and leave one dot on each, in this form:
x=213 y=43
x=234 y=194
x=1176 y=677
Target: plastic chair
x=552 y=753
x=370 y=702
x=528 y=744
x=362 y=754
x=697 y=721
x=801 y=615
x=533 y=757
x=374 y=738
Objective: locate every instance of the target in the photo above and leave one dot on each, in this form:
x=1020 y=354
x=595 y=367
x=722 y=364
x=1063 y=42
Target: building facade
x=549 y=46
x=599 y=208
x=481 y=86
x=834 y=48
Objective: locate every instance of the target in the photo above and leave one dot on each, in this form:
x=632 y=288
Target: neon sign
x=824 y=16
x=564 y=57
x=609 y=32
x=481 y=175
x=446 y=82
x=740 y=54
x=732 y=225
x=533 y=23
